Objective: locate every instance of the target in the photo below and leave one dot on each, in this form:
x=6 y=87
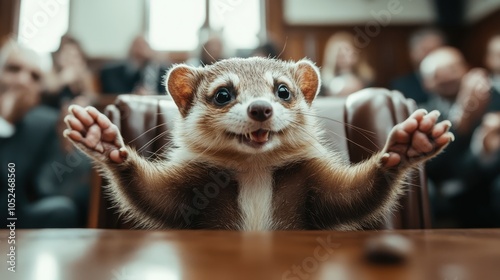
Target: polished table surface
x=142 y=255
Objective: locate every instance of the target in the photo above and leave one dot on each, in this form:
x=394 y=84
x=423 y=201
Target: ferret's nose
x=260 y=110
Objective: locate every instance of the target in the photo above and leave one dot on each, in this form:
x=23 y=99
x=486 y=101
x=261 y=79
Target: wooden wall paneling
x=477 y=36
x=9 y=17
x=275 y=20
x=387 y=52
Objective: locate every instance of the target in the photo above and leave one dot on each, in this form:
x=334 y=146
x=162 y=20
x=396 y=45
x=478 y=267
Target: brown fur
x=310 y=189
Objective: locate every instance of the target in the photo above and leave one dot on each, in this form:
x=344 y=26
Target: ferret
x=248 y=155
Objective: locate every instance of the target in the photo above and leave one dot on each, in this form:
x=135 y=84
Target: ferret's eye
x=283 y=92
x=222 y=97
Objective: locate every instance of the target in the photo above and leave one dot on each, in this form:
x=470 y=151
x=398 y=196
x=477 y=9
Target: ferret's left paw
x=418 y=138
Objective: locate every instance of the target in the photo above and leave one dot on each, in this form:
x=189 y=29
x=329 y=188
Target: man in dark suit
x=140 y=74
x=421 y=43
x=28 y=144
x=492 y=61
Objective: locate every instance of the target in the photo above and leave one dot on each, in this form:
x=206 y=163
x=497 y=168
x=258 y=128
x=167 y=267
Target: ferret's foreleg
x=350 y=197
x=148 y=192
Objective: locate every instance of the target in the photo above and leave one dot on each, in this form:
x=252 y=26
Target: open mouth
x=256 y=138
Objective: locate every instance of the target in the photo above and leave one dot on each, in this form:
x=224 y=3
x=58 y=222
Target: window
x=175 y=25
x=239 y=21
x=42 y=23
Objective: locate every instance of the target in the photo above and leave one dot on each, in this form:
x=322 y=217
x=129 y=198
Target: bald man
x=28 y=144
x=421 y=43
x=463 y=96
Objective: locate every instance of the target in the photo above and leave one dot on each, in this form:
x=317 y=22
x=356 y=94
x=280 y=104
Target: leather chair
x=357 y=125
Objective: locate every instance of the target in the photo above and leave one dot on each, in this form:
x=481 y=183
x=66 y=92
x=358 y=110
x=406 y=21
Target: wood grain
x=114 y=254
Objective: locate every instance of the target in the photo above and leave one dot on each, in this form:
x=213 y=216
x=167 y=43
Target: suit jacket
x=411 y=87
x=32 y=149
x=458 y=161
x=495 y=100
x=120 y=78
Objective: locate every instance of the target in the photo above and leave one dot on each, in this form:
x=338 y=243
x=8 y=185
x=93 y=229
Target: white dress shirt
x=6 y=128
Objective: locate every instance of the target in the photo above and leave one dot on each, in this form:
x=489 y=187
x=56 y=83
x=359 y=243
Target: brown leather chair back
x=358 y=126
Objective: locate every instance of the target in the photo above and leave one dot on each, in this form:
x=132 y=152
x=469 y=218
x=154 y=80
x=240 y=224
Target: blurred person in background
x=492 y=62
x=267 y=49
x=487 y=137
x=71 y=76
x=142 y=73
x=344 y=71
x=71 y=82
x=485 y=151
x=28 y=139
x=461 y=194
x=461 y=94
x=211 y=51
x=421 y=43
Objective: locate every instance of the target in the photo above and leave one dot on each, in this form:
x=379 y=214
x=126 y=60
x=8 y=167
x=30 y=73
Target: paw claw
x=452 y=136
x=436 y=112
x=66 y=120
x=70 y=109
x=417 y=138
x=94 y=134
x=123 y=153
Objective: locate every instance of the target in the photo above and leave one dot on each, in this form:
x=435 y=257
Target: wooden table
x=141 y=255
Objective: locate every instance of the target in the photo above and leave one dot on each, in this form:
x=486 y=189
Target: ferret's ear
x=307 y=75
x=181 y=83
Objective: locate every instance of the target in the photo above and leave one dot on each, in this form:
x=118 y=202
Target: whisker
x=298 y=126
x=214 y=60
x=152 y=141
x=284 y=47
x=355 y=128
x=351 y=141
x=199 y=155
x=147 y=131
x=158 y=150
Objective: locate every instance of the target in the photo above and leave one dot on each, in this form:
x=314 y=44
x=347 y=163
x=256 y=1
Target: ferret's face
x=244 y=105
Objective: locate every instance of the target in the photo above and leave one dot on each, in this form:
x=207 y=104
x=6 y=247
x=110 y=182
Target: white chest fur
x=255 y=199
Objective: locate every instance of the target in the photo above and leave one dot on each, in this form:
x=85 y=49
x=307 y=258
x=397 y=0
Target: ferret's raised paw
x=94 y=134
x=418 y=138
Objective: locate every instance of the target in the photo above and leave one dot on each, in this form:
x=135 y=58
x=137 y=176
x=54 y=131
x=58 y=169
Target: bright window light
x=239 y=20
x=174 y=25
x=42 y=23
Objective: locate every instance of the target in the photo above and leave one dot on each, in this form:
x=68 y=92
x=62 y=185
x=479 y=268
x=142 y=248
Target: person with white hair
x=28 y=145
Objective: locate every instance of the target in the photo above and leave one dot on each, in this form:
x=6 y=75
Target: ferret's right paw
x=94 y=134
